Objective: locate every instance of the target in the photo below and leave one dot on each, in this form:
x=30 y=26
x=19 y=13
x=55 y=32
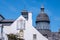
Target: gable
x=19 y=18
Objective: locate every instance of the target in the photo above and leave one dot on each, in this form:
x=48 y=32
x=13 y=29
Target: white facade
x=28 y=29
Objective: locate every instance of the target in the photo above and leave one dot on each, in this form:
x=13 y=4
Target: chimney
x=30 y=18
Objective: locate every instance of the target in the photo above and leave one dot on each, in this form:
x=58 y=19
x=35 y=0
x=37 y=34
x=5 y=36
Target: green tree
x=13 y=37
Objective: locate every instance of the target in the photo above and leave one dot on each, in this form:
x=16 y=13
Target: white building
x=23 y=28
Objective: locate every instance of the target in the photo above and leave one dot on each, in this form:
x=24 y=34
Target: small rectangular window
x=34 y=36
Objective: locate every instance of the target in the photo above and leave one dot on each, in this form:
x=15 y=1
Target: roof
x=42 y=16
x=2 y=16
x=7 y=21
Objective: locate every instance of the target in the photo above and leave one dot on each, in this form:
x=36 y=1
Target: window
x=34 y=36
x=43 y=25
x=21 y=24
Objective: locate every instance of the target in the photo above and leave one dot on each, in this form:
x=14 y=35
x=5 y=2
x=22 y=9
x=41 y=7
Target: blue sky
x=11 y=9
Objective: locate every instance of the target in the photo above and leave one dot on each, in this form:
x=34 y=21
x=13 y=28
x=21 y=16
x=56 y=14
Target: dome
x=42 y=17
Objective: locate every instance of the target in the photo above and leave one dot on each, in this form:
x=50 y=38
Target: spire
x=42 y=8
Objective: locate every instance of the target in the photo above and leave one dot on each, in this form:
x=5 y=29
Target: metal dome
x=42 y=17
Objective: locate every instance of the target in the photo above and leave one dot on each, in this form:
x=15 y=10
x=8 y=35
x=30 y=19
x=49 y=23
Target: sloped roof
x=7 y=21
x=42 y=17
